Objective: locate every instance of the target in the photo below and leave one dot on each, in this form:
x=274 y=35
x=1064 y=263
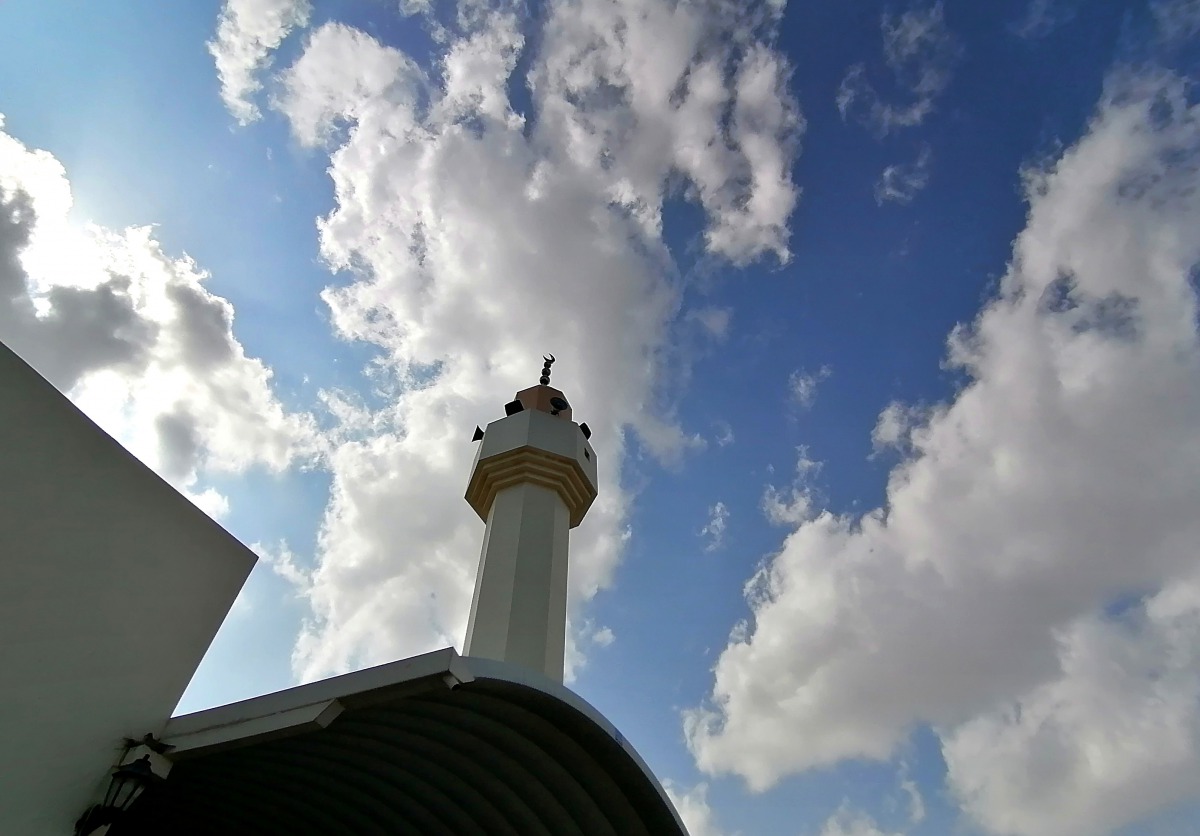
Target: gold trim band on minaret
x=529 y=464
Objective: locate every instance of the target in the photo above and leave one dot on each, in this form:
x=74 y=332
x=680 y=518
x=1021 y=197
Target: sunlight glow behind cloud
x=135 y=337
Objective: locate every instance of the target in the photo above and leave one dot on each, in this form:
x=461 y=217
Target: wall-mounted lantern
x=127 y=783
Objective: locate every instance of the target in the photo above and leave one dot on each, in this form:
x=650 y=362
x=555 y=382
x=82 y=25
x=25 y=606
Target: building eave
x=438 y=744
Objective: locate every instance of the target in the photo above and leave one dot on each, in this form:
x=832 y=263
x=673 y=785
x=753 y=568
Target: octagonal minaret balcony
x=534 y=479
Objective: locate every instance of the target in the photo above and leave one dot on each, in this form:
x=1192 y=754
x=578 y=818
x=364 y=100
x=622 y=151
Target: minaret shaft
x=518 y=612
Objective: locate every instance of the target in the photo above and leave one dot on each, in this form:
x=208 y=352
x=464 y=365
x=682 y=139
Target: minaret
x=534 y=478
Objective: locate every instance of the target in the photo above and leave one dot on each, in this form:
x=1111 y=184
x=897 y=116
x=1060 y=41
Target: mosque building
x=116 y=584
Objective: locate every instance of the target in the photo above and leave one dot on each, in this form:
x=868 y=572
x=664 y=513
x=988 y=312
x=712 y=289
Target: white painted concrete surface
x=542 y=431
x=112 y=586
x=519 y=610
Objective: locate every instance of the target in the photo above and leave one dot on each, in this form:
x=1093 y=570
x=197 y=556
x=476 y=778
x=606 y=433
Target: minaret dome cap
x=544 y=397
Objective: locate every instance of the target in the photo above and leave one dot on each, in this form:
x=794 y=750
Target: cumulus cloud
x=714 y=529
x=1029 y=590
x=920 y=53
x=899 y=183
x=634 y=91
x=134 y=337
x=692 y=806
x=248 y=31
x=1115 y=734
x=802 y=386
x=893 y=429
x=475 y=238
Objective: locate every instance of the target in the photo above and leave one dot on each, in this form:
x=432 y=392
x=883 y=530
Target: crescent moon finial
x=545 y=378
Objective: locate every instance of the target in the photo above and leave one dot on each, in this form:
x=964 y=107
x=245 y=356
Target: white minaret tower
x=534 y=478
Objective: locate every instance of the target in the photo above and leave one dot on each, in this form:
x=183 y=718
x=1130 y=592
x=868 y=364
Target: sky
x=883 y=315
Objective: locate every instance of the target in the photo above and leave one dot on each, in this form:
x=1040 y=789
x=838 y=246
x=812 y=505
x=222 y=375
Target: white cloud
x=921 y=54
x=209 y=500
x=632 y=91
x=248 y=31
x=603 y=637
x=893 y=429
x=714 y=321
x=346 y=76
x=134 y=337
x=1178 y=20
x=1043 y=17
x=847 y=822
x=796 y=503
x=916 y=802
x=1113 y=736
x=899 y=183
x=725 y=435
x=714 y=529
x=692 y=806
x=802 y=386
x=283 y=562
x=787 y=507
x=582 y=637
x=1030 y=588
x=476 y=238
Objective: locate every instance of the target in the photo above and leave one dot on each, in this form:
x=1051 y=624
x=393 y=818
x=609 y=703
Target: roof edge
x=315 y=704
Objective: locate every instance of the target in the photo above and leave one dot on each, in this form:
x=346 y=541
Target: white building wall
x=112 y=586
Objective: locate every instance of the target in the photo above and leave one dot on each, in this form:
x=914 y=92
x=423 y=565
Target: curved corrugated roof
x=451 y=746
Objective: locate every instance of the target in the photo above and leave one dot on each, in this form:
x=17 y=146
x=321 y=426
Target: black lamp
x=128 y=782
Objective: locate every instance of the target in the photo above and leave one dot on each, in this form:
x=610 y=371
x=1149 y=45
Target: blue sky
x=884 y=315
